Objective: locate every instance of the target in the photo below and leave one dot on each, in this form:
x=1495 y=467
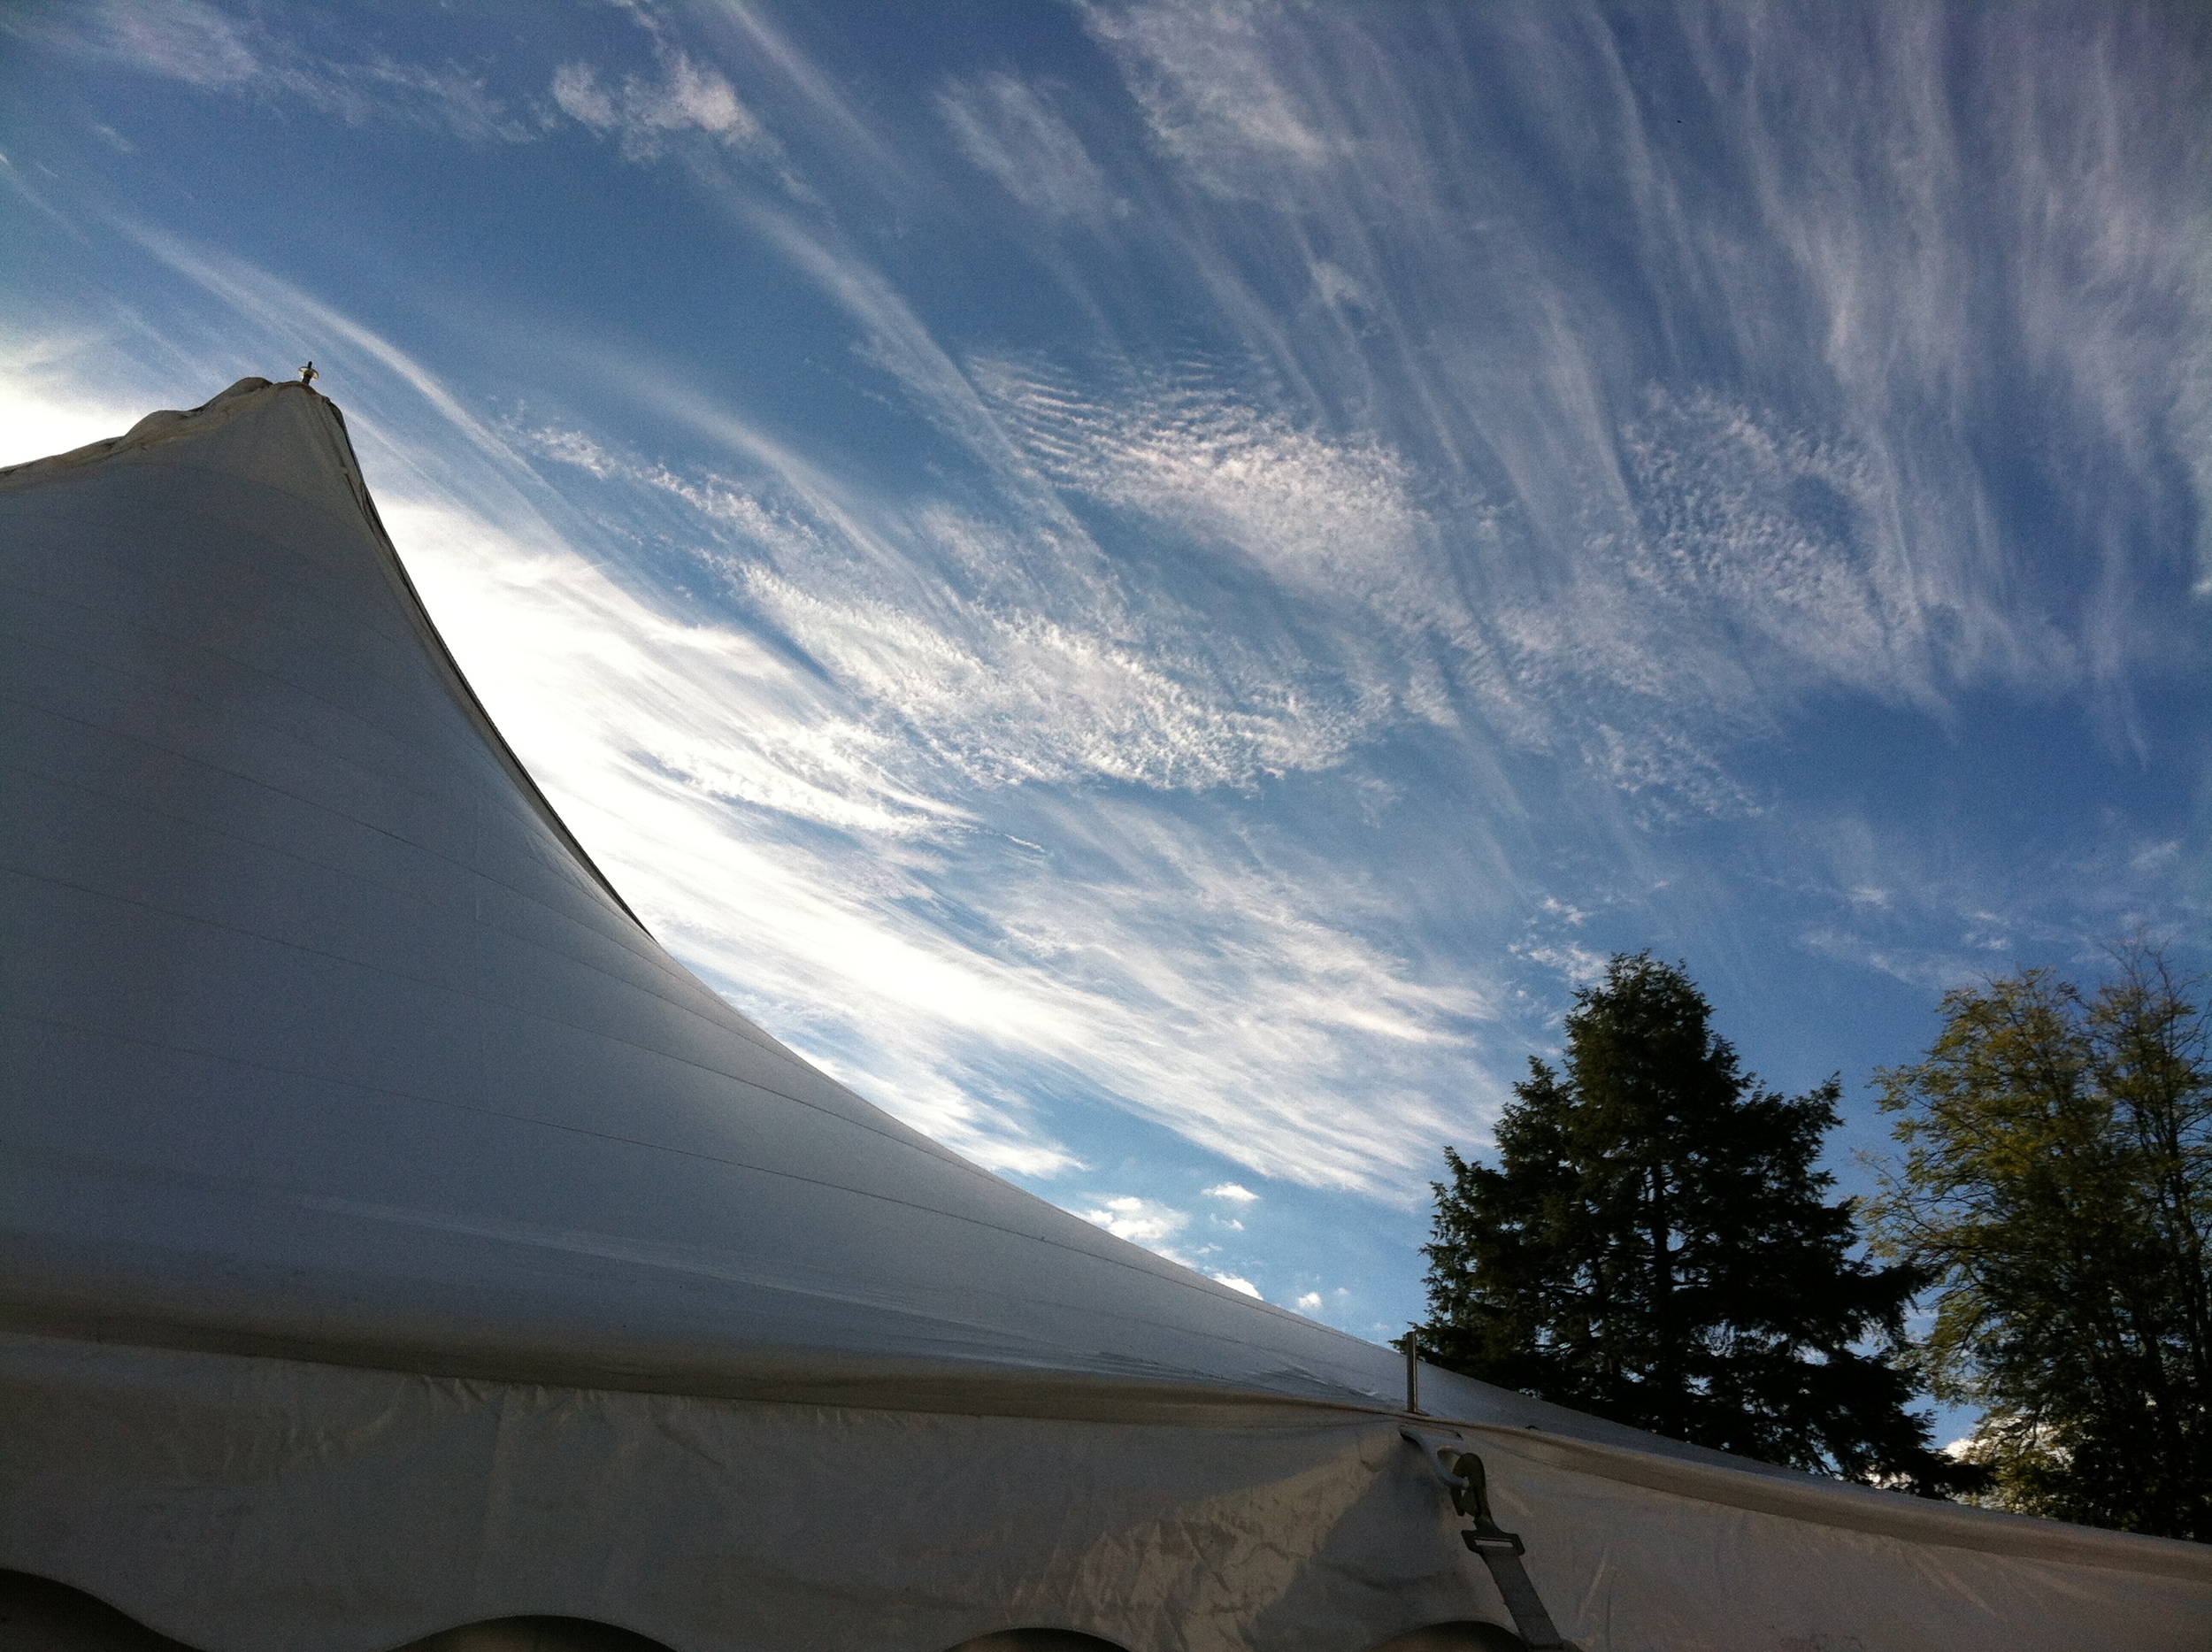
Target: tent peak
x=161 y=426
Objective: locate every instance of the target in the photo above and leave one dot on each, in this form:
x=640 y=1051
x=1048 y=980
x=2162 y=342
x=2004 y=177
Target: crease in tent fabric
x=1829 y=1503
x=1845 y=1506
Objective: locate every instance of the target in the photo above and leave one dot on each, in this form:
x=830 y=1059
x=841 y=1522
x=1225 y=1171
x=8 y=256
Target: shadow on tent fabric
x=535 y=1634
x=1467 y=1636
x=38 y=1615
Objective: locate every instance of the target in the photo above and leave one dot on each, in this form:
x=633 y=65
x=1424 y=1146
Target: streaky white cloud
x=745 y=30
x=1215 y=94
x=1888 y=252
x=1333 y=516
x=897 y=340
x=1221 y=999
x=1534 y=241
x=1898 y=904
x=184 y=40
x=1233 y=1192
x=47 y=406
x=1000 y=679
x=1007 y=129
x=1932 y=969
x=302 y=325
x=245 y=55
x=1581 y=965
x=1331 y=521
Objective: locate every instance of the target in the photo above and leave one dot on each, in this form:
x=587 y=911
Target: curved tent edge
x=158 y=429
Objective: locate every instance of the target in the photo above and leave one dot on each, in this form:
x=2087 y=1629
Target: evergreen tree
x=2057 y=1181
x=1653 y=1246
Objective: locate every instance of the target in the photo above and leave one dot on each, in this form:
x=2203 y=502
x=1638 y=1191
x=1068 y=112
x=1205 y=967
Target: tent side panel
x=263 y=1504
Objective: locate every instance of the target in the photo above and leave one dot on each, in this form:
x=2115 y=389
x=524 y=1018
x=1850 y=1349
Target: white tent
x=393 y=1237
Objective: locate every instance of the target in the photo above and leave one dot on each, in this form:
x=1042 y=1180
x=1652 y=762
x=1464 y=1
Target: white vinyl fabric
x=393 y=1236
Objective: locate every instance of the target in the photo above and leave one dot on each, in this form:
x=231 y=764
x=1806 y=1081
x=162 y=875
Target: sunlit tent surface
x=396 y=1237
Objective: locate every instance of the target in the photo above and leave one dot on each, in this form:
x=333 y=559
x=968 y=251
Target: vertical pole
x=1413 y=1369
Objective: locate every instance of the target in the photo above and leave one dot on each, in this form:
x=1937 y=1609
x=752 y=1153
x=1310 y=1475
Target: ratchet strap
x=1463 y=1475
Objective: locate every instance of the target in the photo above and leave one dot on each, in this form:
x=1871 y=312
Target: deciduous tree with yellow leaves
x=2057 y=1180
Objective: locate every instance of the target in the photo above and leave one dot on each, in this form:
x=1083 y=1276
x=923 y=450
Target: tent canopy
x=395 y=1236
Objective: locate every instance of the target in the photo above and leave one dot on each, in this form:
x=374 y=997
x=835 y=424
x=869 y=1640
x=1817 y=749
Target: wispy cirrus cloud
x=804 y=811
x=1601 y=389
x=1005 y=126
x=240 y=55
x=996 y=680
x=1217 y=93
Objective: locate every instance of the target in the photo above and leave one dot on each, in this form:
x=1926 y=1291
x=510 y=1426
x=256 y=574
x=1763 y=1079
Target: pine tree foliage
x=1654 y=1245
x=2057 y=1182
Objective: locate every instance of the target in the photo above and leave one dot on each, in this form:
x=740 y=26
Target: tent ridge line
x=947 y=1388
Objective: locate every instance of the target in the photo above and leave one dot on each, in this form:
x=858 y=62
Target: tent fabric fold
x=395 y=1237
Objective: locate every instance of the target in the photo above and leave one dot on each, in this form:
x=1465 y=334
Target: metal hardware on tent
x=1463 y=1475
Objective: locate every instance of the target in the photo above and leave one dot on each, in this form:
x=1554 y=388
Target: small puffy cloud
x=1579 y=964
x=1144 y=1222
x=1334 y=285
x=576 y=89
x=1232 y=1192
x=1236 y=1282
x=1309 y=1303
x=646 y=112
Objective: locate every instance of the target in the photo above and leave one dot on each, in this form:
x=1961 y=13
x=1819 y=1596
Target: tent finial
x=308 y=375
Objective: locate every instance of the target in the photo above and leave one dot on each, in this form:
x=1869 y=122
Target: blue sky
x=1155 y=585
